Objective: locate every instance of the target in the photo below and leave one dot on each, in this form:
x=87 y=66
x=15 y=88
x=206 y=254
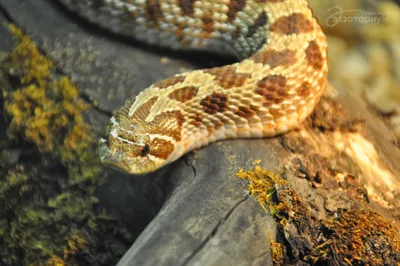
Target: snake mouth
x=117 y=160
x=124 y=167
x=108 y=159
x=115 y=164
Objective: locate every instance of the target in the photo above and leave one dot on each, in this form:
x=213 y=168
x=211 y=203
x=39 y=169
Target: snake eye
x=145 y=151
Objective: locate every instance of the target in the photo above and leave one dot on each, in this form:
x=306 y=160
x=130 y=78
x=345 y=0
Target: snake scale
x=276 y=83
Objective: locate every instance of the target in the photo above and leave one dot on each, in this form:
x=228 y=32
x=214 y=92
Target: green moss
x=47 y=199
x=14 y=179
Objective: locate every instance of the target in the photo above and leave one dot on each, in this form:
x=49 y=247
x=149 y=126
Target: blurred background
x=364 y=51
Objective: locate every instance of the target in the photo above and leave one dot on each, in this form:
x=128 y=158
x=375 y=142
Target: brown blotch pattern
x=227 y=77
x=275 y=58
x=207 y=25
x=215 y=103
x=195 y=120
x=273 y=88
x=245 y=111
x=153 y=11
x=123 y=147
x=314 y=56
x=161 y=148
x=234 y=7
x=122 y=113
x=184 y=94
x=167 y=123
x=186 y=6
x=261 y=21
x=304 y=89
x=143 y=111
x=163 y=84
x=295 y=23
x=215 y=124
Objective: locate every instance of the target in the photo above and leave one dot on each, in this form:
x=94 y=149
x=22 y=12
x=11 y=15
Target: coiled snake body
x=275 y=86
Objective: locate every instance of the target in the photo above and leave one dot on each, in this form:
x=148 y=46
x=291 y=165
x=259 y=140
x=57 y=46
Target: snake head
x=135 y=146
x=125 y=150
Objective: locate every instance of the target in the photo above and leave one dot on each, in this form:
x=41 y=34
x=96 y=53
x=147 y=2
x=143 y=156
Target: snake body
x=277 y=82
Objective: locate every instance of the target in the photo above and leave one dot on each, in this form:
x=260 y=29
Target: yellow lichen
x=261 y=185
x=56 y=261
x=76 y=243
x=276 y=252
x=32 y=66
x=45 y=110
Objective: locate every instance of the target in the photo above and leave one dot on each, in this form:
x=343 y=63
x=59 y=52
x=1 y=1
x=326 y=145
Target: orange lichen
x=361 y=237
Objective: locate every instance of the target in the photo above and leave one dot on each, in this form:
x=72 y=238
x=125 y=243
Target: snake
x=276 y=82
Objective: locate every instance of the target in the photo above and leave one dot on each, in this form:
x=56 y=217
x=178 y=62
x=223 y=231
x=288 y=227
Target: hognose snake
x=276 y=84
